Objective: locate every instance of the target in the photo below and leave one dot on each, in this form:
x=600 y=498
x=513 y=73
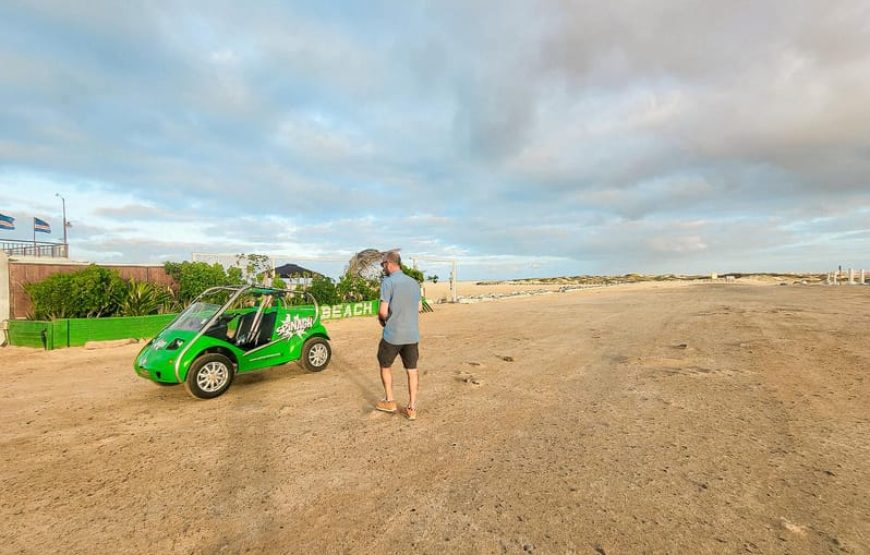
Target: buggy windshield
x=195 y=316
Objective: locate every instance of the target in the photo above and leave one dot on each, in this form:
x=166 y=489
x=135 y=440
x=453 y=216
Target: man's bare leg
x=413 y=380
x=387 y=380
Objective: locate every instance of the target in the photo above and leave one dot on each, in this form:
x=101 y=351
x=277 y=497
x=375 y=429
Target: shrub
x=144 y=298
x=323 y=289
x=91 y=292
x=278 y=283
x=352 y=288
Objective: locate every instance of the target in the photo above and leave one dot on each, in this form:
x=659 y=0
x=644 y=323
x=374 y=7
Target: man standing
x=398 y=314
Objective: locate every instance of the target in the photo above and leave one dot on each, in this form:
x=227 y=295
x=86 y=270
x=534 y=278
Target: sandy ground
x=440 y=292
x=682 y=419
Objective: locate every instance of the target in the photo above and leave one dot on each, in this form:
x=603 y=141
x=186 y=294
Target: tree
x=352 y=288
x=323 y=289
x=413 y=272
x=195 y=277
x=255 y=268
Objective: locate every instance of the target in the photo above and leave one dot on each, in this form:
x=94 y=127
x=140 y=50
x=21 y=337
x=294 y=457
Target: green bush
x=413 y=272
x=352 y=288
x=91 y=292
x=323 y=289
x=195 y=277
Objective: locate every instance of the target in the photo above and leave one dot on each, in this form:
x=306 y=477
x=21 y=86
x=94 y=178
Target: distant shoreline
x=809 y=277
x=476 y=291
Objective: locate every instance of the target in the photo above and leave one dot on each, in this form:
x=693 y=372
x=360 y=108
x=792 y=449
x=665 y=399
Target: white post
x=837 y=278
x=453 y=282
x=862 y=277
x=5 y=299
x=851 y=276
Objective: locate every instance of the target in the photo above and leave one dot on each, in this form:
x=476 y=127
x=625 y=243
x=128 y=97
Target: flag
x=41 y=225
x=7 y=222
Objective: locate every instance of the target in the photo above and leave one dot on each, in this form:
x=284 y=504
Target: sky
x=521 y=139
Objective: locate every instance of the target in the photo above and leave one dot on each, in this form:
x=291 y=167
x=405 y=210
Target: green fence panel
x=59 y=334
x=82 y=330
x=78 y=331
x=31 y=333
x=56 y=334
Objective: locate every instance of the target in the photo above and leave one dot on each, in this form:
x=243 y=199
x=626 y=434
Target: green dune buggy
x=232 y=330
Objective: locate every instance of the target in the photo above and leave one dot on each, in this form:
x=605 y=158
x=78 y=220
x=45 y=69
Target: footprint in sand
x=468 y=379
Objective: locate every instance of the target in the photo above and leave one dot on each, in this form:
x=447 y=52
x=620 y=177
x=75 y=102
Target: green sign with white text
x=348 y=310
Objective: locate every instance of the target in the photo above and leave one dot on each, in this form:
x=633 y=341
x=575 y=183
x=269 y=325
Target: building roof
x=294 y=270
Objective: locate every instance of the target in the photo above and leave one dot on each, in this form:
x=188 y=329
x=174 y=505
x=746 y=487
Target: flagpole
x=65 y=245
x=63 y=203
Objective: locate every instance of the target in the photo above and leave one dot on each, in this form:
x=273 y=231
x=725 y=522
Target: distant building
x=294 y=275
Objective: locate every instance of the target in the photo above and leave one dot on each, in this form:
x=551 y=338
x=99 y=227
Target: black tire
x=316 y=354
x=209 y=376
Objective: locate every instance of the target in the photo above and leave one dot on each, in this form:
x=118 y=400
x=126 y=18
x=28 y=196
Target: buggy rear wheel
x=209 y=376
x=316 y=354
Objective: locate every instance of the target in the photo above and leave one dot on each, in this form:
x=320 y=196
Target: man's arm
x=383 y=311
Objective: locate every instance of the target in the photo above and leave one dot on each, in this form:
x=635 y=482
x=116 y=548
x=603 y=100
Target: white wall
x=4 y=296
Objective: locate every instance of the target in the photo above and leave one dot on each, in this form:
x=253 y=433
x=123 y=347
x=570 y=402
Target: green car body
x=233 y=330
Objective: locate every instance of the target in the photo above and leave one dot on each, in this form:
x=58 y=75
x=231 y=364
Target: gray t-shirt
x=403 y=294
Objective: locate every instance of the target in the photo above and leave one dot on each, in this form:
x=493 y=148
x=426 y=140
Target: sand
x=688 y=418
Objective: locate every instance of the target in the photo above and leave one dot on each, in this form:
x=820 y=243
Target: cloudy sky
x=519 y=138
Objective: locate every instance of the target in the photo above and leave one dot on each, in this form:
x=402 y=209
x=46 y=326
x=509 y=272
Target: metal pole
x=63 y=204
x=65 y=225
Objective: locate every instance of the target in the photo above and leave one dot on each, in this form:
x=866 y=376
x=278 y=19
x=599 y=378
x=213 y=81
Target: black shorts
x=387 y=354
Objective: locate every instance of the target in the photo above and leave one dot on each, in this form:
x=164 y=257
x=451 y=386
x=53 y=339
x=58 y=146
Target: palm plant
x=144 y=298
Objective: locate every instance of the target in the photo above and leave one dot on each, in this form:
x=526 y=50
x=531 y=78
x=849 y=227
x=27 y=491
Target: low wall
x=75 y=332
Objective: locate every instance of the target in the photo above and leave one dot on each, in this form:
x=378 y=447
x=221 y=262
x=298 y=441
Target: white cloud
x=669 y=135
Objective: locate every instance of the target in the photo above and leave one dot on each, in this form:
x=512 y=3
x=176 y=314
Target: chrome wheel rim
x=318 y=354
x=212 y=376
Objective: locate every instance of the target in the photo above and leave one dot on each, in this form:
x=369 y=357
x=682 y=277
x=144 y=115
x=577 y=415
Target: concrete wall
x=24 y=270
x=5 y=301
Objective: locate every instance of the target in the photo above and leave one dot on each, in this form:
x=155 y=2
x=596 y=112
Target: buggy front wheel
x=209 y=376
x=316 y=354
